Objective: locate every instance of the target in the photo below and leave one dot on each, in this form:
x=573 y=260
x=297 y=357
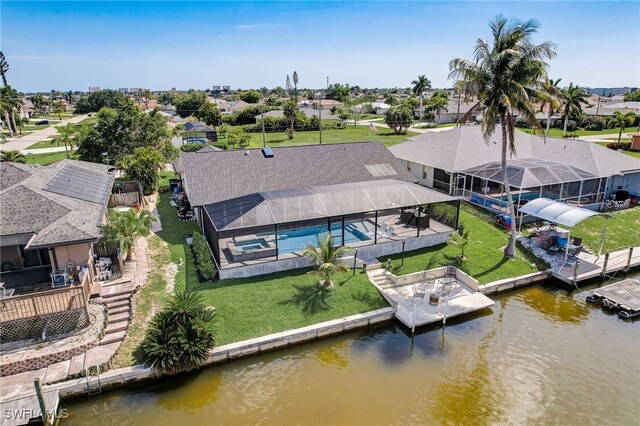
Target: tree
x=210 y=114
x=419 y=87
x=572 y=99
x=166 y=98
x=632 y=96
x=398 y=119
x=344 y=115
x=22 y=121
x=621 y=120
x=13 y=156
x=290 y=111
x=103 y=98
x=70 y=97
x=437 y=104
x=189 y=103
x=250 y=96
x=338 y=92
x=288 y=87
x=65 y=136
x=295 y=85
x=144 y=165
x=126 y=226
x=326 y=259
x=10 y=105
x=505 y=76
x=462 y=90
x=57 y=109
x=550 y=96
x=179 y=336
x=237 y=137
x=4 y=67
x=146 y=96
x=461 y=240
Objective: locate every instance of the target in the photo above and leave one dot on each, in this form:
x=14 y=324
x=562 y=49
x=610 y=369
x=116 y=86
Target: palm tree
x=437 y=104
x=419 y=87
x=505 y=76
x=462 y=90
x=126 y=226
x=13 y=156
x=295 y=84
x=326 y=259
x=621 y=120
x=4 y=67
x=572 y=98
x=22 y=121
x=290 y=111
x=66 y=134
x=10 y=102
x=5 y=107
x=551 y=95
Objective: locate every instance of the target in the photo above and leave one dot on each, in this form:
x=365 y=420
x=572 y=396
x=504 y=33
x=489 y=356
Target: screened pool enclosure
x=275 y=225
x=529 y=179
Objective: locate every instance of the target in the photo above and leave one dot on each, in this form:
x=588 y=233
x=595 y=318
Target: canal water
x=540 y=356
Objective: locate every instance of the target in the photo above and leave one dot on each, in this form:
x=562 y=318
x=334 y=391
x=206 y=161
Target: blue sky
x=159 y=45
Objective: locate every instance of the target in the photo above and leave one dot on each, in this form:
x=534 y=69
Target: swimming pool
x=258 y=243
x=295 y=240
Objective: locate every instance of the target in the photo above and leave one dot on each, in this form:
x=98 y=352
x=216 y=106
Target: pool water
x=249 y=245
x=295 y=240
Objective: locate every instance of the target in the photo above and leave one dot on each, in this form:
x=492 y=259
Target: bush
x=221 y=145
x=625 y=146
x=191 y=147
x=570 y=135
x=593 y=123
x=204 y=262
x=572 y=126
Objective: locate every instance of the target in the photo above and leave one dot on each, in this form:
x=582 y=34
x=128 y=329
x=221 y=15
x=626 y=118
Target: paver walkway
x=39 y=135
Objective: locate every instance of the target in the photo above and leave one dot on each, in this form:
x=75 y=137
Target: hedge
x=204 y=262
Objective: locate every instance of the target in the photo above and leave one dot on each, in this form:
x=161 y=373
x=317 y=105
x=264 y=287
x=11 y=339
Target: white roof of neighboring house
x=464 y=147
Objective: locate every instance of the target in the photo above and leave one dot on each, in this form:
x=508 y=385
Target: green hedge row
x=202 y=254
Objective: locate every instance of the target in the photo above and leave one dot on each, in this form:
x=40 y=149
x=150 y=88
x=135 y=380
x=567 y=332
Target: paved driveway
x=37 y=136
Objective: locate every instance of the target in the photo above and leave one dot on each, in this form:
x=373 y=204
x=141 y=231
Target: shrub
x=570 y=135
x=178 y=338
x=593 y=123
x=204 y=262
x=289 y=133
x=191 y=147
x=572 y=126
x=221 y=145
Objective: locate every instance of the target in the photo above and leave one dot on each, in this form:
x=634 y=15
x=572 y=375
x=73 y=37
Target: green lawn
x=349 y=134
x=622 y=230
x=557 y=133
x=47 y=143
x=485 y=260
x=44 y=159
x=252 y=307
x=635 y=154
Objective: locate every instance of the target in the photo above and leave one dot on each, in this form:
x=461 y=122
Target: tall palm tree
x=65 y=136
x=13 y=156
x=463 y=91
x=419 y=87
x=126 y=226
x=11 y=102
x=290 y=111
x=551 y=95
x=437 y=104
x=5 y=108
x=621 y=120
x=4 y=67
x=572 y=98
x=505 y=76
x=326 y=259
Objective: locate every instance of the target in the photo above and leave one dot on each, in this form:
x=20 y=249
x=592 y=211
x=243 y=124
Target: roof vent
x=247 y=152
x=267 y=152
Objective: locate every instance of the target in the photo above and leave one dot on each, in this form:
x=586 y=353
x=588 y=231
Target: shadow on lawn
x=313 y=298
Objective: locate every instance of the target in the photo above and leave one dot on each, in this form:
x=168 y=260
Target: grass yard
x=47 y=143
x=557 y=133
x=622 y=230
x=485 y=260
x=52 y=157
x=635 y=154
x=348 y=134
x=257 y=306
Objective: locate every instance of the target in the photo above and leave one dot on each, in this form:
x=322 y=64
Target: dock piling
x=629 y=259
x=604 y=266
x=41 y=403
x=575 y=271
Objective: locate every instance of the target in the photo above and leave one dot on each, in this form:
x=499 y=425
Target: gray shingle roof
x=197 y=127
x=464 y=147
x=211 y=177
x=10 y=175
x=26 y=207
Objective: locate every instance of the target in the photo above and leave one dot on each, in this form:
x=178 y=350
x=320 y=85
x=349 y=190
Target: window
x=424 y=172
x=408 y=165
x=440 y=175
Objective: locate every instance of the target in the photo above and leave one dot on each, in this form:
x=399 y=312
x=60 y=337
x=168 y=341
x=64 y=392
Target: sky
x=160 y=45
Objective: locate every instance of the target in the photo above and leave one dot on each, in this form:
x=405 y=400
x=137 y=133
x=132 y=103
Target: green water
x=539 y=356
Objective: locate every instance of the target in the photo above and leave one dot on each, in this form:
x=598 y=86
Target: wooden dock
x=464 y=298
x=592 y=266
x=24 y=410
x=623 y=296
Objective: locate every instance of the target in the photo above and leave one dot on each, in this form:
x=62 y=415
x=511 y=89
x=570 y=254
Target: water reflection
x=556 y=304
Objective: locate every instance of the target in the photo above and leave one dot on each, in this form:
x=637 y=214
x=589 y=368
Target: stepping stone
x=118 y=303
x=57 y=372
x=118 y=310
x=125 y=316
x=115 y=328
x=100 y=355
x=112 y=338
x=77 y=365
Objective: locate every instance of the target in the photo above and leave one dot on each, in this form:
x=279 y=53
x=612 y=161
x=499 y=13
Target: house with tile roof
x=50 y=216
x=260 y=208
x=460 y=162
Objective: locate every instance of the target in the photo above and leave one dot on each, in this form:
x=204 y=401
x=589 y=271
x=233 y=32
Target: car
x=42 y=123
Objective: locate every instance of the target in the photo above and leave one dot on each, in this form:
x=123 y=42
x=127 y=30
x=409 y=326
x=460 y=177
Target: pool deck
x=464 y=297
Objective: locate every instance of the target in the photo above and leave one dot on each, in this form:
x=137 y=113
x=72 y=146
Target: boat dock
x=623 y=296
x=592 y=266
x=26 y=409
x=399 y=291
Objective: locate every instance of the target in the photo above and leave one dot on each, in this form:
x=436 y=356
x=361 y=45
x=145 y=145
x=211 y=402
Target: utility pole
x=320 y=113
x=264 y=137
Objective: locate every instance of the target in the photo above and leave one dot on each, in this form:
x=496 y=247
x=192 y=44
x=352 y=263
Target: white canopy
x=553 y=211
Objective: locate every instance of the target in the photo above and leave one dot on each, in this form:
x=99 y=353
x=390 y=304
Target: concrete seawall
x=515 y=282
x=222 y=354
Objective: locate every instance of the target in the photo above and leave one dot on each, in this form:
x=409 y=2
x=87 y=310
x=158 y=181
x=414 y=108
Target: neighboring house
x=308 y=112
x=327 y=104
x=259 y=209
x=196 y=132
x=451 y=113
x=635 y=141
x=221 y=104
x=50 y=218
x=607 y=108
x=460 y=162
x=374 y=107
x=27 y=110
x=238 y=106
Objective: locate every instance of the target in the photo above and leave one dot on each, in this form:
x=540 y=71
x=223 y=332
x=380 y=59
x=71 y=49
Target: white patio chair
x=418 y=293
